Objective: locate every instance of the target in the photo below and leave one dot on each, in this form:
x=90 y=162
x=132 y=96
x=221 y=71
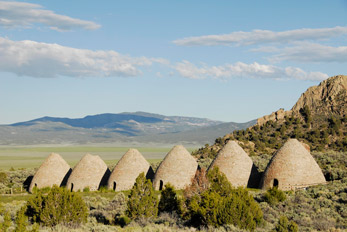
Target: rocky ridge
x=329 y=97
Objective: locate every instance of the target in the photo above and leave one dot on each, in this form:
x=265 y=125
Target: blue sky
x=223 y=60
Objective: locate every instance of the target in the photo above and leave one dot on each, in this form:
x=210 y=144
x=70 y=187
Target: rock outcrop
x=274 y=116
x=329 y=97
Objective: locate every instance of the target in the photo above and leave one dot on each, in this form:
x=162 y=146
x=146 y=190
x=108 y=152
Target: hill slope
x=319 y=118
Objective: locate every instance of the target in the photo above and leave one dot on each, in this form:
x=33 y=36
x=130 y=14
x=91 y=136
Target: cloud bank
x=21 y=14
x=30 y=58
x=262 y=36
x=307 y=52
x=242 y=70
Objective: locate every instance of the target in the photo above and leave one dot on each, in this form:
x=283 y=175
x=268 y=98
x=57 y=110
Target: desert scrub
x=332 y=163
x=320 y=207
x=284 y=225
x=261 y=161
x=274 y=196
x=59 y=206
x=15 y=180
x=5 y=219
x=106 y=210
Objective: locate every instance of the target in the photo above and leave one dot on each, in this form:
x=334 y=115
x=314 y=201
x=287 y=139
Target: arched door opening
x=71 y=187
x=161 y=185
x=275 y=183
x=114 y=185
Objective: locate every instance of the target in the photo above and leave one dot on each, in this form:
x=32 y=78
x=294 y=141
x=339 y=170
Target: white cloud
x=242 y=70
x=262 y=36
x=21 y=14
x=307 y=52
x=30 y=58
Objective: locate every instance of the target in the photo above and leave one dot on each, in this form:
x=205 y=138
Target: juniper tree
x=21 y=220
x=58 y=206
x=142 y=200
x=168 y=200
x=222 y=204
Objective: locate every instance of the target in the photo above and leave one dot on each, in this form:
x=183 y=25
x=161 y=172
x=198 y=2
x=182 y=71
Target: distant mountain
x=122 y=128
x=95 y=121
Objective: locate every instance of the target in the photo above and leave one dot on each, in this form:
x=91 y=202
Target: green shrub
x=6 y=223
x=3 y=177
x=222 y=204
x=284 y=225
x=274 y=195
x=58 y=206
x=122 y=221
x=219 y=182
x=86 y=190
x=168 y=200
x=142 y=201
x=21 y=220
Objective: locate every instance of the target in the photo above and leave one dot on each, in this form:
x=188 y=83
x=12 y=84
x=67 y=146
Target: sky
x=223 y=60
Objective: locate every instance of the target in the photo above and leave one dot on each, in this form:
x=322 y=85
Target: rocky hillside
x=319 y=118
x=326 y=99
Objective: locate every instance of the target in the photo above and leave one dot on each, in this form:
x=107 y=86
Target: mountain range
x=138 y=128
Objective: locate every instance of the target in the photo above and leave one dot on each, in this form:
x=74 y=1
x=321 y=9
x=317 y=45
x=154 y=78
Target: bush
x=7 y=222
x=3 y=177
x=219 y=182
x=222 y=204
x=122 y=221
x=142 y=201
x=274 y=195
x=284 y=225
x=168 y=200
x=58 y=206
x=21 y=220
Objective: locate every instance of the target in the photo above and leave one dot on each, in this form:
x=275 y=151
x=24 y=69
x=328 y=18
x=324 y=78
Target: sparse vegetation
x=320 y=132
x=59 y=206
